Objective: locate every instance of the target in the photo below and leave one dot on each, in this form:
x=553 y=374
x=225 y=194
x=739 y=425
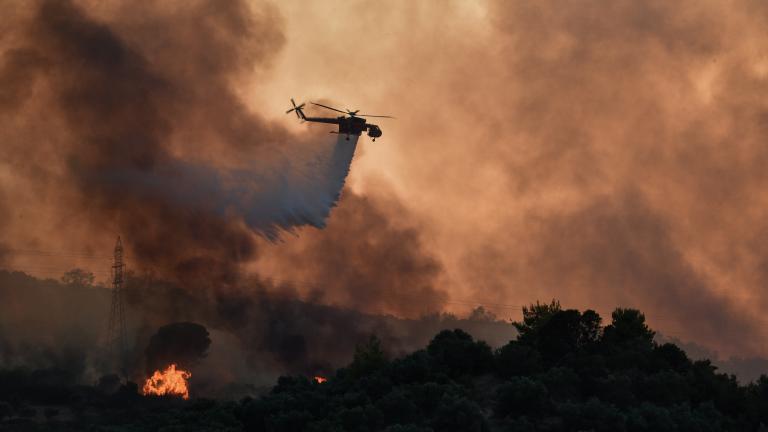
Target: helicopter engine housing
x=374 y=131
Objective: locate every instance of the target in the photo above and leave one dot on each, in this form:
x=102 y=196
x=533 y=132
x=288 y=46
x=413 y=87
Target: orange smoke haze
x=604 y=154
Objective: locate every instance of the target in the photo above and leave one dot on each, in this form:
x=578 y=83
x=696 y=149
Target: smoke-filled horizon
x=604 y=155
x=601 y=154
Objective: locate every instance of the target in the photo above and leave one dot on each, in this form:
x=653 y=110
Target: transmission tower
x=116 y=327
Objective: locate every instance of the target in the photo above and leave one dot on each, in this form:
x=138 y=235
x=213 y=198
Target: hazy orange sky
x=600 y=154
x=604 y=154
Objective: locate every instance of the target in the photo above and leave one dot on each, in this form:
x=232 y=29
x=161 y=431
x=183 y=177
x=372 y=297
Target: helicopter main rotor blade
x=330 y=108
x=371 y=115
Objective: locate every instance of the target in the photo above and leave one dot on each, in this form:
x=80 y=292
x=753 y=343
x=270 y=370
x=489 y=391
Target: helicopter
x=351 y=123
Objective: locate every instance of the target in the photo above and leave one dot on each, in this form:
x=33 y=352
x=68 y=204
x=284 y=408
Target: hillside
x=565 y=372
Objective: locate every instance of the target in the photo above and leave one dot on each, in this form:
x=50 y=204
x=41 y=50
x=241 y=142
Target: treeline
x=566 y=371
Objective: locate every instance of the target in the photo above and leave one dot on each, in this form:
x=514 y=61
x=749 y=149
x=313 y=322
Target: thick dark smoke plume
x=365 y=259
x=182 y=343
x=124 y=122
x=144 y=133
x=126 y=118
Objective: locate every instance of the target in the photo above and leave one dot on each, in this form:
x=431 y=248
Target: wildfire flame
x=168 y=382
x=320 y=379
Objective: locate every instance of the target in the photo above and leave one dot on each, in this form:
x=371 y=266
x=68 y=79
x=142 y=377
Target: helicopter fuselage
x=349 y=125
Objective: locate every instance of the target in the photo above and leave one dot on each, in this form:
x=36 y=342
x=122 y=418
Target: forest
x=566 y=371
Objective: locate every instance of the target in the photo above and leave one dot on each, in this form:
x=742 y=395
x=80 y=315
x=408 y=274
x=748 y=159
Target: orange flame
x=320 y=379
x=168 y=382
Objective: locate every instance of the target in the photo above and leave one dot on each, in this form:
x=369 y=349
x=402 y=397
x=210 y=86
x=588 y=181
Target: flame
x=168 y=382
x=320 y=379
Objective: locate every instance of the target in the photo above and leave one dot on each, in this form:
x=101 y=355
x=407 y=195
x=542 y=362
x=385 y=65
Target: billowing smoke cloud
x=364 y=259
x=129 y=119
x=144 y=133
x=182 y=343
x=607 y=155
x=603 y=154
x=277 y=333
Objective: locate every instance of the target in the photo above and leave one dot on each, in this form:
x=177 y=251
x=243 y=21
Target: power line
x=64 y=254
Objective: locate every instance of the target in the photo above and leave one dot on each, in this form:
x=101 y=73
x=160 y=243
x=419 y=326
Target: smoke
x=155 y=145
x=536 y=142
x=607 y=155
x=633 y=245
x=183 y=343
x=364 y=259
x=276 y=333
x=130 y=119
x=44 y=324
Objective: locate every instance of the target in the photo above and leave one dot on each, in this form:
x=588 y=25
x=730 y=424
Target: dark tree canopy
x=565 y=372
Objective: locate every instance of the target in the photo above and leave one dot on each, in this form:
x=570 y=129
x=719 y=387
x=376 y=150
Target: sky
x=603 y=154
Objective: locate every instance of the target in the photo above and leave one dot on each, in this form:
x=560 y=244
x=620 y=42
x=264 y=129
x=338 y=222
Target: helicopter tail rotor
x=297 y=109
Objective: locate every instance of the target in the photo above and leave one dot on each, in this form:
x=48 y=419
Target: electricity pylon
x=116 y=339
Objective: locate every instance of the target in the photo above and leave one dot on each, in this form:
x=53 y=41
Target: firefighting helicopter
x=349 y=124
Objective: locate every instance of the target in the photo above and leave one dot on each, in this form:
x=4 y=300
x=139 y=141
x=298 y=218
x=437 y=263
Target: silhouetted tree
x=458 y=353
x=369 y=357
x=78 y=277
x=535 y=316
x=628 y=328
x=670 y=356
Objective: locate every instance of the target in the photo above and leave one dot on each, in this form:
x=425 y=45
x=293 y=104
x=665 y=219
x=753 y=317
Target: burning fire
x=320 y=379
x=168 y=382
